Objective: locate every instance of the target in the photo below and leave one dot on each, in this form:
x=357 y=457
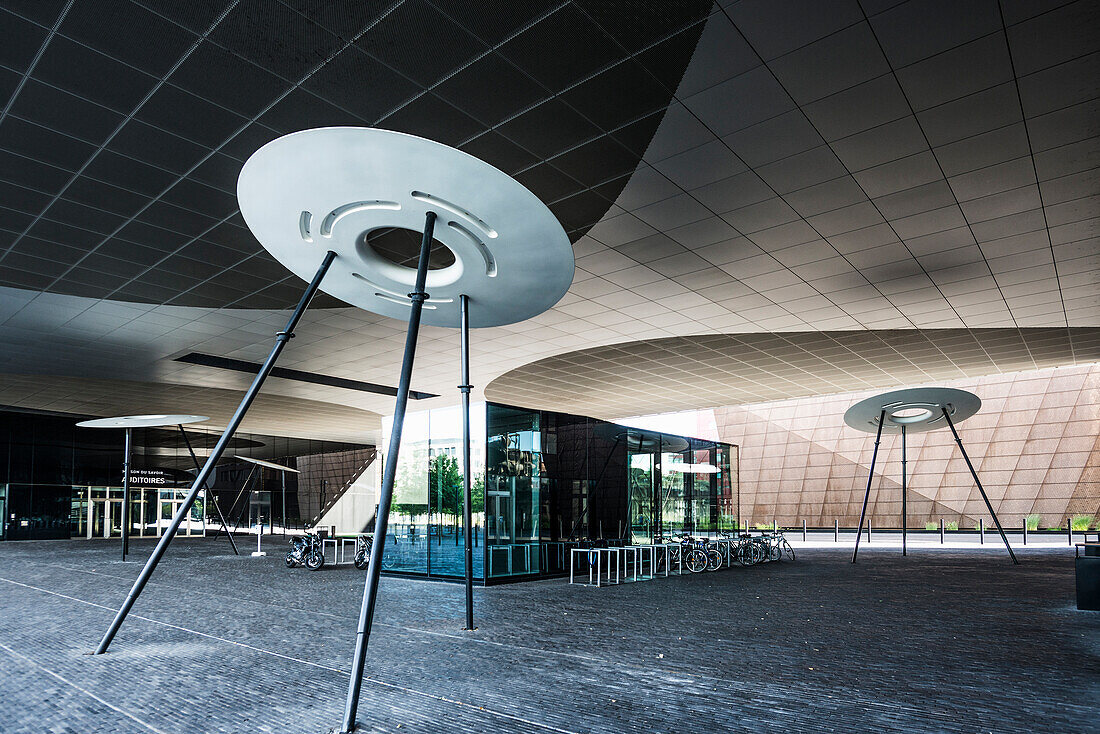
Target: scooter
x=306 y=551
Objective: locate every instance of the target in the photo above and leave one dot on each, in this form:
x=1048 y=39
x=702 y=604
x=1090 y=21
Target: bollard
x=1069 y=531
x=836 y=531
x=259 y=535
x=941 y=531
x=803 y=531
x=981 y=530
x=868 y=530
x=775 y=526
x=1025 y=530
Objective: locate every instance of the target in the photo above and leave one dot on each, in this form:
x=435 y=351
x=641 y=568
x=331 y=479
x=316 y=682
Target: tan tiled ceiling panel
x=681 y=373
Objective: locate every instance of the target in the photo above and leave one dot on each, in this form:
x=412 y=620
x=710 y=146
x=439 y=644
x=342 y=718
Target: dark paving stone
x=942 y=641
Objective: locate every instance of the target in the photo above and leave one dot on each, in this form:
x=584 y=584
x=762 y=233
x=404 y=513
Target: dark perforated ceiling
x=127 y=122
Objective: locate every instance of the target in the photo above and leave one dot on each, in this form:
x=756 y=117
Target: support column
x=370 y=590
x=981 y=489
x=185 y=507
x=209 y=492
x=468 y=510
x=870 y=478
x=904 y=513
x=126 y=496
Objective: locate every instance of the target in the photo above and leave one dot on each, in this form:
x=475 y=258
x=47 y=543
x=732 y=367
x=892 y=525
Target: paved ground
x=943 y=641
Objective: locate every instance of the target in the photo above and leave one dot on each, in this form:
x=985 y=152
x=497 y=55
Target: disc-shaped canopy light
x=917 y=408
x=364 y=193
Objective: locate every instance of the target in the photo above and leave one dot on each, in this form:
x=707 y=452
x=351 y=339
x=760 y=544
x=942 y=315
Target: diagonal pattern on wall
x=1034 y=444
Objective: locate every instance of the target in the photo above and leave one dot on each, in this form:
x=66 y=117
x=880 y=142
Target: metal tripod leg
x=467 y=509
x=236 y=500
x=904 y=514
x=126 y=495
x=370 y=590
x=185 y=507
x=981 y=489
x=870 y=478
x=209 y=491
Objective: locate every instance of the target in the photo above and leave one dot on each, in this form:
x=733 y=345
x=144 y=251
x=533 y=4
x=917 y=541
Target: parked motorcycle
x=362 y=552
x=306 y=550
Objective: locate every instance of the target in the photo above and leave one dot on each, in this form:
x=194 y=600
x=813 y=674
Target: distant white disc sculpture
x=917 y=408
x=143 y=421
x=328 y=189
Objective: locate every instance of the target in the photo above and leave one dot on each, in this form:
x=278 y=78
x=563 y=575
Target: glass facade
x=426 y=532
x=60 y=481
x=543 y=483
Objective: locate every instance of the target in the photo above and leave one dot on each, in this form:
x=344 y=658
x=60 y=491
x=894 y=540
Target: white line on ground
x=85 y=691
x=403 y=689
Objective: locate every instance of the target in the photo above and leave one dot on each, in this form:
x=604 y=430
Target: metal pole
x=1069 y=531
x=185 y=507
x=974 y=473
x=803 y=531
x=209 y=491
x=904 y=514
x=1025 y=530
x=870 y=478
x=836 y=531
x=981 y=530
x=941 y=531
x=282 y=474
x=126 y=496
x=467 y=510
x=370 y=590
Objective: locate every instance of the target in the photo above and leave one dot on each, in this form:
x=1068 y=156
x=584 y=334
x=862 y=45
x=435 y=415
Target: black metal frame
x=281 y=339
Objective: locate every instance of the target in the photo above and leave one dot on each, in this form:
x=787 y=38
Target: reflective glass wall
x=61 y=481
x=542 y=484
x=595 y=482
x=426 y=532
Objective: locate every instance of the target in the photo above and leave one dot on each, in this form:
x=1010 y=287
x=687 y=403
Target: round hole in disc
x=910 y=415
x=402 y=247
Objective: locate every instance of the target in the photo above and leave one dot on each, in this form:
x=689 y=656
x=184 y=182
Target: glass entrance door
x=105 y=518
x=191 y=524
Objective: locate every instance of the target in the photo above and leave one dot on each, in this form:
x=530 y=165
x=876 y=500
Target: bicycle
x=776 y=546
x=699 y=555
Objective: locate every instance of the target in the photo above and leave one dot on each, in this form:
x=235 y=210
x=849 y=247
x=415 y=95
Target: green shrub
x=1033 y=521
x=952 y=525
x=1081 y=523
x=931 y=526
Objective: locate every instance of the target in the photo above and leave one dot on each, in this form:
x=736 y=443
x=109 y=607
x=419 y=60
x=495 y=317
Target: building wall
x=1035 y=443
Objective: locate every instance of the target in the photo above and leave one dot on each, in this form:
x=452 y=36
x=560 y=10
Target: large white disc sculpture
x=327 y=189
x=325 y=196
x=915 y=410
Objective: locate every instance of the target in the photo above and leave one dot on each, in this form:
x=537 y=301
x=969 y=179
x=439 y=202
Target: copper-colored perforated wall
x=1035 y=444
